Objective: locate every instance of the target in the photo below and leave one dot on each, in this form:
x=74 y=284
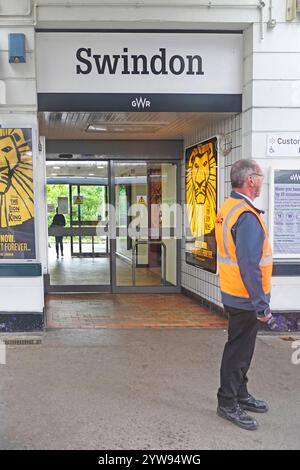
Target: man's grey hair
x=240 y=171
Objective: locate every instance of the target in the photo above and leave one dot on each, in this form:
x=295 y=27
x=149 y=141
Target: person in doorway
x=105 y=221
x=245 y=267
x=59 y=221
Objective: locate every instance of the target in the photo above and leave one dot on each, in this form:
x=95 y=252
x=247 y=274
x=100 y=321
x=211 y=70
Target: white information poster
x=63 y=205
x=286 y=213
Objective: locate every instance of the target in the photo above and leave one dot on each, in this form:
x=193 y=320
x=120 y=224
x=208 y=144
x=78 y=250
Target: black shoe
x=237 y=416
x=251 y=404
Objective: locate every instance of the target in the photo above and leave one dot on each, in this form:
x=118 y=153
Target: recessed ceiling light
x=92 y=128
x=73 y=163
x=129 y=126
x=56 y=168
x=91 y=174
x=53 y=174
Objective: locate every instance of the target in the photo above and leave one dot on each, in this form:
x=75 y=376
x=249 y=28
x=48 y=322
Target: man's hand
x=263 y=319
x=265 y=315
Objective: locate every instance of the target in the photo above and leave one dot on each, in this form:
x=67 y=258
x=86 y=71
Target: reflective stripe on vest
x=263 y=262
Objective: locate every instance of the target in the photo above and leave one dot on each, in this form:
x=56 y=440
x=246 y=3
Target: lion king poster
x=17 y=235
x=201 y=204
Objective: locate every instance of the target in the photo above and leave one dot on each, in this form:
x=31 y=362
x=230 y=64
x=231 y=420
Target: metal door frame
x=144 y=289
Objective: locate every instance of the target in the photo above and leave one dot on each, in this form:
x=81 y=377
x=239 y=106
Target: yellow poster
x=201 y=204
x=17 y=237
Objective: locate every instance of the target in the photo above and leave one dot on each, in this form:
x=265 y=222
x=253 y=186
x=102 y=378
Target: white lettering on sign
x=140 y=103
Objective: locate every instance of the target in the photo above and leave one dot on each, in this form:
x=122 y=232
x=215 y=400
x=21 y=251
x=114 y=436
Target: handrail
x=150 y=242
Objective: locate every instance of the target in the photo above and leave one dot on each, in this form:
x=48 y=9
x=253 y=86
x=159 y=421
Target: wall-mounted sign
x=201 y=204
x=141 y=200
x=283 y=145
x=286 y=213
x=17 y=234
x=157 y=71
x=63 y=205
x=78 y=199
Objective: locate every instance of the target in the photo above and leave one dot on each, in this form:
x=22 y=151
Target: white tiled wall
x=195 y=279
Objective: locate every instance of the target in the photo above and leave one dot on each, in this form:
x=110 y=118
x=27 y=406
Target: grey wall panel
x=117 y=149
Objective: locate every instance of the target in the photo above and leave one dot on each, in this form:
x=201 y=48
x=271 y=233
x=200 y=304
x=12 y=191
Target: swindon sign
x=137 y=64
x=139 y=71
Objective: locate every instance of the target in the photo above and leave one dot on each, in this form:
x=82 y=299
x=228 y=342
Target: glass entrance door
x=128 y=245
x=78 y=246
x=88 y=209
x=146 y=213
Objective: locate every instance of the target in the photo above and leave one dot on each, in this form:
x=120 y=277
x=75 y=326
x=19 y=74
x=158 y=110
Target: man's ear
x=250 y=181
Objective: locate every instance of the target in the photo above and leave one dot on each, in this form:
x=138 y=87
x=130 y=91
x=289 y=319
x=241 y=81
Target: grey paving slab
x=140 y=389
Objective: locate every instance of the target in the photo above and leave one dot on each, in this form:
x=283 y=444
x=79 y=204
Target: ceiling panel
x=122 y=126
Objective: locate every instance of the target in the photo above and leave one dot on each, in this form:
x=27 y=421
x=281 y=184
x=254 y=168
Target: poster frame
x=295 y=165
x=31 y=127
x=219 y=190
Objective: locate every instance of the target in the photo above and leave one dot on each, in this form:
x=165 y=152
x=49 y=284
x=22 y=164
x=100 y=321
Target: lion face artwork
x=16 y=180
x=200 y=176
x=201 y=189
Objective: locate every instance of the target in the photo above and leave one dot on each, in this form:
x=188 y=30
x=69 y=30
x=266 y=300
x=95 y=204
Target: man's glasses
x=257 y=174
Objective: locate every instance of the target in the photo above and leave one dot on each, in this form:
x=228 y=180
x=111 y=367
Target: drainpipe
x=271 y=21
x=261 y=18
x=207 y=4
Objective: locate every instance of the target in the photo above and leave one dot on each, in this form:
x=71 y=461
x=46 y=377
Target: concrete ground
x=140 y=389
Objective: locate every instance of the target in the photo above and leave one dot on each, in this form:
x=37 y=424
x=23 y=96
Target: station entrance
x=107 y=230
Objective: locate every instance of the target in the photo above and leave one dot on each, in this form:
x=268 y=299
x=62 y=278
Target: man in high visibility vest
x=245 y=268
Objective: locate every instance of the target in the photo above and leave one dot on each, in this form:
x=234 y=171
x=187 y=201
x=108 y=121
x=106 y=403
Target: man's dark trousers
x=237 y=355
x=59 y=243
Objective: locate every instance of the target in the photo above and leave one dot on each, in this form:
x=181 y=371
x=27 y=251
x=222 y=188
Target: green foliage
x=55 y=191
x=93 y=201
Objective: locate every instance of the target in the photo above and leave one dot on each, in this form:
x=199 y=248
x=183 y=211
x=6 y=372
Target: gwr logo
x=140 y=103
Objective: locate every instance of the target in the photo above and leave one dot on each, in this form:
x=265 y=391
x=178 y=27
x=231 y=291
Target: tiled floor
x=128 y=311
x=96 y=271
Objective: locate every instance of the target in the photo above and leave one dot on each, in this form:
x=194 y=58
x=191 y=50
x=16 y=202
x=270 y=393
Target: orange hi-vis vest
x=230 y=277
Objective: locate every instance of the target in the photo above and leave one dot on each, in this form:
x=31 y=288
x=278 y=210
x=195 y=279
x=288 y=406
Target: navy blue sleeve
x=248 y=235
